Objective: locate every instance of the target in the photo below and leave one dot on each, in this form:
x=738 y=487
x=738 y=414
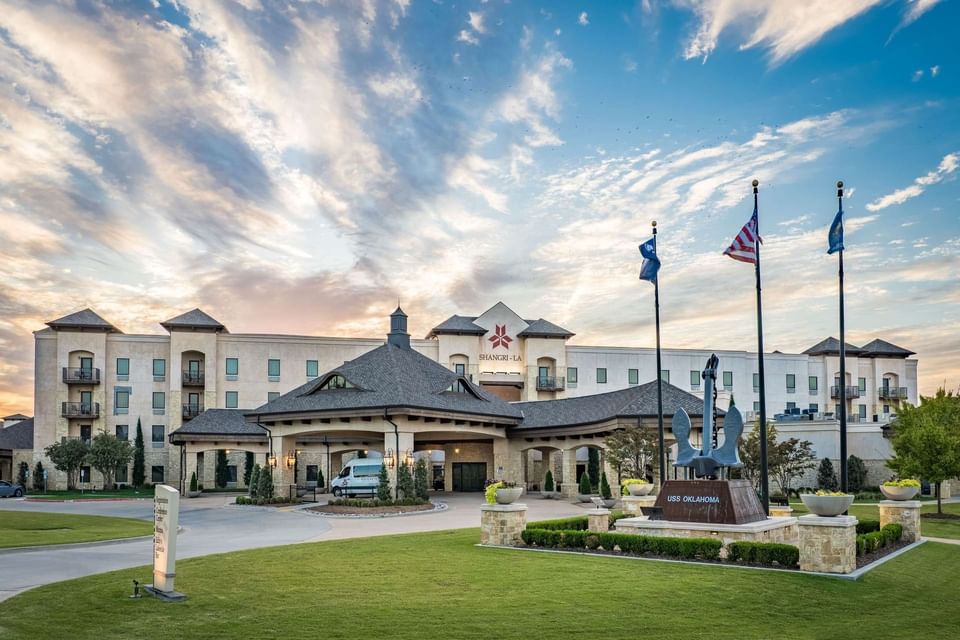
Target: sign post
x=166 y=515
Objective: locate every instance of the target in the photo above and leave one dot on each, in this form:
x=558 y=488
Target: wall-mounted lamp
x=456 y=450
x=389 y=459
x=272 y=460
x=408 y=457
x=226 y=451
x=291 y=460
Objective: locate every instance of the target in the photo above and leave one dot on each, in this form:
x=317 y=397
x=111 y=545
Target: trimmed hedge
x=244 y=500
x=685 y=548
x=376 y=502
x=873 y=540
x=575 y=523
x=868 y=526
x=785 y=555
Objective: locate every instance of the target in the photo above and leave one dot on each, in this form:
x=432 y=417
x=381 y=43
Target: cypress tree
x=585 y=488
x=265 y=484
x=605 y=486
x=405 y=483
x=856 y=474
x=826 y=478
x=220 y=477
x=593 y=468
x=247 y=468
x=420 y=486
x=193 y=482
x=138 y=459
x=383 y=488
x=254 y=481
x=23 y=472
x=548 y=482
x=38 y=483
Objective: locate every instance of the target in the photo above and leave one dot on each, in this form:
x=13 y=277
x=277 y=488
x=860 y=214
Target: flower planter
x=585 y=497
x=827 y=506
x=640 y=489
x=899 y=493
x=193 y=494
x=508 y=495
x=603 y=503
x=549 y=495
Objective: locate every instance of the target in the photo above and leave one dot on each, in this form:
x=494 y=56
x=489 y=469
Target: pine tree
x=254 y=481
x=193 y=482
x=38 y=483
x=23 y=472
x=420 y=485
x=826 y=478
x=383 y=488
x=405 y=483
x=265 y=484
x=585 y=488
x=593 y=468
x=856 y=474
x=548 y=482
x=138 y=459
x=605 y=492
x=321 y=483
x=247 y=468
x=220 y=475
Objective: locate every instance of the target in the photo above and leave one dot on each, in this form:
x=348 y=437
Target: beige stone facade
x=780 y=530
x=502 y=524
x=828 y=545
x=906 y=513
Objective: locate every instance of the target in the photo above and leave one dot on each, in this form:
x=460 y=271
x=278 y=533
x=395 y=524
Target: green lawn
x=928 y=527
x=439 y=585
x=74 y=494
x=27 y=529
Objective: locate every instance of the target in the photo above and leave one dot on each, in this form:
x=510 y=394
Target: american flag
x=744 y=246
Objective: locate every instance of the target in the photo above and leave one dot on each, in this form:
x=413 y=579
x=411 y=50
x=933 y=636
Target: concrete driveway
x=210 y=524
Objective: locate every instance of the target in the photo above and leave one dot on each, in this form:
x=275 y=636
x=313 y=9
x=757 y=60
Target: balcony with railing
x=851 y=391
x=192 y=410
x=193 y=379
x=550 y=383
x=80 y=409
x=892 y=393
x=81 y=375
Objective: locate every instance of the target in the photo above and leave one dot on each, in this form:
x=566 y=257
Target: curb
x=440 y=506
x=73 y=545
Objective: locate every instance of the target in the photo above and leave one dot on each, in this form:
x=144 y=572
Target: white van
x=359 y=476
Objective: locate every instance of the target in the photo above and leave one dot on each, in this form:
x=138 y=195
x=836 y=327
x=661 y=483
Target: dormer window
x=336 y=382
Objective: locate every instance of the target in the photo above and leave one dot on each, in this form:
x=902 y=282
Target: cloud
x=534 y=98
x=584 y=19
x=947 y=166
x=475 y=18
x=783 y=28
x=915 y=9
x=934 y=71
x=917 y=75
x=468 y=37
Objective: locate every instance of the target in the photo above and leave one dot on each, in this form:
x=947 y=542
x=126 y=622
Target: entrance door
x=469 y=476
x=86 y=402
x=86 y=368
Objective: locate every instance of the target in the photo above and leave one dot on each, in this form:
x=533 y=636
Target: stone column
x=598 y=520
x=191 y=463
x=828 y=545
x=208 y=479
x=507 y=461
x=634 y=504
x=569 y=468
x=502 y=524
x=906 y=513
x=390 y=441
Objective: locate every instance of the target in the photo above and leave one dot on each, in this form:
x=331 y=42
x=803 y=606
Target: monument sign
x=166 y=515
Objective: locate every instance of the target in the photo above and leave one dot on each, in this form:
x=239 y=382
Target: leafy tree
x=926 y=440
x=856 y=474
x=67 y=456
x=405 y=488
x=585 y=488
x=548 y=481
x=265 y=484
x=107 y=453
x=383 y=486
x=826 y=477
x=632 y=451
x=420 y=484
x=254 y=481
x=785 y=460
x=23 y=472
x=247 y=468
x=38 y=481
x=593 y=467
x=604 y=487
x=193 y=482
x=750 y=454
x=139 y=475
x=220 y=470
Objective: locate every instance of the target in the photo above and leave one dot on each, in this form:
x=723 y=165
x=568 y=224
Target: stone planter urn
x=640 y=489
x=899 y=493
x=585 y=497
x=192 y=494
x=549 y=495
x=826 y=506
x=508 y=495
x=603 y=503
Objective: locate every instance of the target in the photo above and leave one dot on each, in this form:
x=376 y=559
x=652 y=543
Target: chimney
x=398 y=335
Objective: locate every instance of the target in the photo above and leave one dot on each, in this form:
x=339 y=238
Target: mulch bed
x=342 y=510
x=864 y=560
x=653 y=556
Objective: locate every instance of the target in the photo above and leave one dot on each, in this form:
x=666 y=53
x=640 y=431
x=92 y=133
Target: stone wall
x=502 y=524
x=906 y=513
x=828 y=545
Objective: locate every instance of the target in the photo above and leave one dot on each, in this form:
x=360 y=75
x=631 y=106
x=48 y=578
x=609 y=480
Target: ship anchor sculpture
x=707 y=462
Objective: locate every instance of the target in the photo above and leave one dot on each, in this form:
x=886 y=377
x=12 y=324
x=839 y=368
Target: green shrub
x=193 y=482
x=893 y=532
x=39 y=483
x=871 y=541
x=768 y=553
x=686 y=548
x=868 y=526
x=826 y=477
x=405 y=486
x=376 y=502
x=909 y=482
x=576 y=523
x=254 y=481
x=605 y=487
x=265 y=484
x=856 y=474
x=861 y=545
x=585 y=488
x=420 y=486
x=244 y=500
x=383 y=484
x=548 y=481
x=616 y=515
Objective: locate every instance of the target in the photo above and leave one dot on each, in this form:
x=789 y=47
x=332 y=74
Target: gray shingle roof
x=634 y=402
x=389 y=377
x=544 y=329
x=195 y=319
x=458 y=325
x=220 y=422
x=83 y=319
x=831 y=346
x=17 y=436
x=16 y=416
x=883 y=348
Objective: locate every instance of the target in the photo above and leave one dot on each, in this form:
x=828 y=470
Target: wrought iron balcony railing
x=852 y=391
x=192 y=410
x=80 y=409
x=81 y=375
x=193 y=378
x=892 y=393
x=549 y=383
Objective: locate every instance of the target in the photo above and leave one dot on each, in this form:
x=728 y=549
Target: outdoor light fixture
x=226 y=451
x=291 y=460
x=272 y=460
x=408 y=458
x=388 y=459
x=456 y=450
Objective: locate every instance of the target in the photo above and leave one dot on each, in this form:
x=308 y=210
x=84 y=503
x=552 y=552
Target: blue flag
x=651 y=263
x=836 y=233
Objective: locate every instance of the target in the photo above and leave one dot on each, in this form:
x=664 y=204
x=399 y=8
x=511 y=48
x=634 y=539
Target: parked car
x=8 y=489
x=359 y=476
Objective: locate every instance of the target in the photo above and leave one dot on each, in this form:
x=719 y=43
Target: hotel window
x=862 y=385
x=836 y=410
x=862 y=411
x=694 y=379
x=601 y=376
x=121 y=401
x=460 y=369
x=123 y=432
x=85 y=431
x=728 y=379
x=813 y=407
x=231 y=401
x=312 y=471
x=633 y=376
x=571 y=376
x=756 y=382
x=85 y=474
x=313 y=368
x=232 y=368
x=791 y=406
x=121 y=475
x=272 y=395
x=156 y=436
x=886 y=408
x=791 y=383
x=273 y=370
x=232 y=474
x=156 y=474
x=159 y=370
x=813 y=383
x=665 y=375
x=756 y=406
x=123 y=368
x=159 y=402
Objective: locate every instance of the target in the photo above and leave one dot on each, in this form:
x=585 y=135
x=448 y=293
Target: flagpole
x=656 y=307
x=843 y=368
x=764 y=482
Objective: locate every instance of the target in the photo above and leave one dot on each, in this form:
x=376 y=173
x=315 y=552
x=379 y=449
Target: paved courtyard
x=211 y=525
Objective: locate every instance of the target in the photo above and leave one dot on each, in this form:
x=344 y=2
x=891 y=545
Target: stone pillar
x=507 y=461
x=905 y=513
x=598 y=520
x=208 y=478
x=502 y=524
x=569 y=467
x=633 y=504
x=191 y=464
x=828 y=545
x=390 y=441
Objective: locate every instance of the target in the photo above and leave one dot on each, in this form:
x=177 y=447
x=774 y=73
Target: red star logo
x=500 y=337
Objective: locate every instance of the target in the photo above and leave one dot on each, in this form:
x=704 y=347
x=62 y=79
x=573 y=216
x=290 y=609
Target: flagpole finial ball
x=654 y=224
x=839 y=184
x=756 y=182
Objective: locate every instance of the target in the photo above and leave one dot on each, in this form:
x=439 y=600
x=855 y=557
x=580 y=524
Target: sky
x=299 y=167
